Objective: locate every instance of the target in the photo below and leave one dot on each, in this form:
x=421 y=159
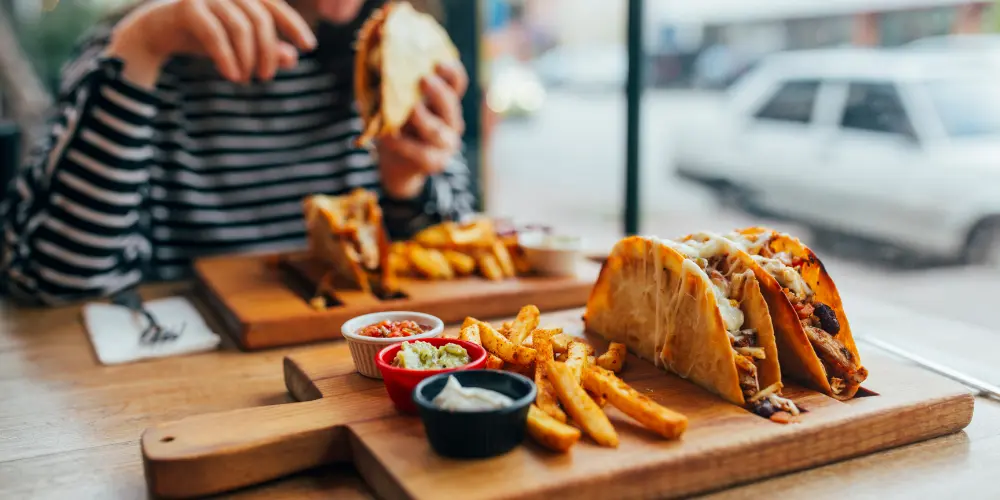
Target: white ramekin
x=552 y=260
x=364 y=349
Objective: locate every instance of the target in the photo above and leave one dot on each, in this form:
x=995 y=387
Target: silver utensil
x=154 y=333
x=983 y=389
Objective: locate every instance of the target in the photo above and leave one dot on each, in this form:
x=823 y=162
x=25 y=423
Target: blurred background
x=870 y=128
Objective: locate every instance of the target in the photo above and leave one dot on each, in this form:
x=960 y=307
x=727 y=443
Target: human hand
x=240 y=36
x=431 y=137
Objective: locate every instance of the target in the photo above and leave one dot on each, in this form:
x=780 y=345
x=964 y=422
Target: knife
x=983 y=389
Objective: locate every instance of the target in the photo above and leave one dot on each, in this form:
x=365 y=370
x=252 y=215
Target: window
x=966 y=107
x=793 y=102
x=875 y=107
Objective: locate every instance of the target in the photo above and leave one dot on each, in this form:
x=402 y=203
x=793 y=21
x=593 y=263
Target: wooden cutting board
x=263 y=301
x=344 y=417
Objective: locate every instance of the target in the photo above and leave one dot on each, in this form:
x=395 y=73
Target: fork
x=154 y=332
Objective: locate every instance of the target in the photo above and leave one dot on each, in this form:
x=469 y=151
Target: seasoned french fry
x=560 y=342
x=489 y=267
x=521 y=264
x=430 y=263
x=576 y=358
x=502 y=346
x=436 y=236
x=526 y=370
x=524 y=323
x=399 y=260
x=469 y=320
x=546 y=400
x=470 y=333
x=614 y=358
x=580 y=406
x=462 y=264
x=503 y=258
x=550 y=432
x=647 y=412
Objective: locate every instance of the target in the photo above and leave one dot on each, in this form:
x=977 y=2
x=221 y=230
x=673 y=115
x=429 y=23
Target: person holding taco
x=188 y=128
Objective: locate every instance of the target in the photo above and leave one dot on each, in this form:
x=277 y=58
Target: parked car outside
x=891 y=145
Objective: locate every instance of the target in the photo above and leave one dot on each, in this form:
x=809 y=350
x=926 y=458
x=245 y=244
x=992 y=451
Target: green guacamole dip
x=423 y=356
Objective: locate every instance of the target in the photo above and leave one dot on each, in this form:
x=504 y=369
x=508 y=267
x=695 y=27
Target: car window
x=875 y=107
x=793 y=102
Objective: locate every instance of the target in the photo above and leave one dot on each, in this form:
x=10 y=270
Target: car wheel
x=983 y=247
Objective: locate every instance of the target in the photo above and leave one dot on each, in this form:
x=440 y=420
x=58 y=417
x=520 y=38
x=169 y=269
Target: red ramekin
x=400 y=382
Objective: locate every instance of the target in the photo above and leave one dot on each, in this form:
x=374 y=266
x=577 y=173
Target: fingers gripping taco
x=695 y=309
x=813 y=336
x=346 y=233
x=397 y=47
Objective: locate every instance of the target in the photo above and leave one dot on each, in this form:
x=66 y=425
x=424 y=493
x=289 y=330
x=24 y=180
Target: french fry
x=550 y=432
x=524 y=323
x=430 y=263
x=462 y=264
x=503 y=258
x=526 y=370
x=399 y=260
x=546 y=400
x=470 y=333
x=614 y=358
x=560 y=342
x=580 y=406
x=647 y=412
x=521 y=264
x=469 y=320
x=503 y=348
x=576 y=358
x=489 y=267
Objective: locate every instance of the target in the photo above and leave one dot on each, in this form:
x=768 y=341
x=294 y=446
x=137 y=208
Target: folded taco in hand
x=694 y=308
x=397 y=47
x=346 y=234
x=813 y=336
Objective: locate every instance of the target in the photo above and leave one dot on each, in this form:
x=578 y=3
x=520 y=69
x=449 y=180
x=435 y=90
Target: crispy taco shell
x=799 y=357
x=661 y=305
x=397 y=47
x=346 y=234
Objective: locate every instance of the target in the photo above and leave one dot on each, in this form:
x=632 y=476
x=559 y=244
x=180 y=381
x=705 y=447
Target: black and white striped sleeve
x=446 y=196
x=72 y=215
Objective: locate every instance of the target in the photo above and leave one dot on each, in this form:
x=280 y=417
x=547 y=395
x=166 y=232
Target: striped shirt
x=131 y=185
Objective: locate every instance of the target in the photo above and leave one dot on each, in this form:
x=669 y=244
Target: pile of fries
x=573 y=384
x=449 y=250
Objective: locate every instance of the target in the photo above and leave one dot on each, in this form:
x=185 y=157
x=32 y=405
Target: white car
x=891 y=145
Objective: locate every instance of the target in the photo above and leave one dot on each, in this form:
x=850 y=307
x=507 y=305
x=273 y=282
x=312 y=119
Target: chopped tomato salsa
x=393 y=329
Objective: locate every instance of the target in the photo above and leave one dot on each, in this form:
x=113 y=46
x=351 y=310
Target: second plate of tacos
x=812 y=333
x=694 y=308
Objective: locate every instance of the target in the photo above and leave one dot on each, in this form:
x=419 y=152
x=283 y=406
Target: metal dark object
x=633 y=98
x=10 y=146
x=462 y=20
x=154 y=333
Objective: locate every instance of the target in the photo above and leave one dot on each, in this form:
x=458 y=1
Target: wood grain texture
x=724 y=445
x=260 y=310
x=70 y=428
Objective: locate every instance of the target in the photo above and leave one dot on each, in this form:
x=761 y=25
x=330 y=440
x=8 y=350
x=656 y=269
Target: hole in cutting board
x=166 y=439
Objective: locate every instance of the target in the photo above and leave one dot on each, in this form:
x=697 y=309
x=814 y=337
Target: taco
x=695 y=309
x=346 y=234
x=397 y=47
x=813 y=336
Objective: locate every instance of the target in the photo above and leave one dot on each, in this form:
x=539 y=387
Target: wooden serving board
x=263 y=301
x=344 y=417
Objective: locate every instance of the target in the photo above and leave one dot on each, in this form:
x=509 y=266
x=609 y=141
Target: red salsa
x=393 y=329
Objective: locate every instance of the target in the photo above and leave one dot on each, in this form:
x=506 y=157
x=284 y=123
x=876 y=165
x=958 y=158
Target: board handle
x=218 y=452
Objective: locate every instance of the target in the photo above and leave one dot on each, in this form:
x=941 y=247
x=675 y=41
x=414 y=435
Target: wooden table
x=69 y=427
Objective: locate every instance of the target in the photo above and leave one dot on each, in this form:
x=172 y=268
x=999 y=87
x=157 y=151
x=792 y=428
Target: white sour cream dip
x=455 y=397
